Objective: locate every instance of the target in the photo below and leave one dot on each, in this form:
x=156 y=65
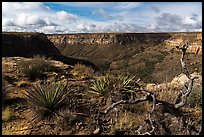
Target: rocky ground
x=85 y=104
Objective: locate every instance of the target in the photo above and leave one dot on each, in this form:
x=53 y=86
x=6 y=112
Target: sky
x=96 y=17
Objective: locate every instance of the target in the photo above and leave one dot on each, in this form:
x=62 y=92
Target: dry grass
x=7 y=132
x=127 y=121
x=34 y=68
x=22 y=84
x=195 y=98
x=82 y=71
x=7 y=114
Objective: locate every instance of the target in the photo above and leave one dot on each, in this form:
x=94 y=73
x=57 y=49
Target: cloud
x=192 y=19
x=26 y=16
x=102 y=13
x=128 y=5
x=23 y=6
x=64 y=16
x=171 y=22
x=155 y=9
x=26 y=19
x=7 y=22
x=105 y=17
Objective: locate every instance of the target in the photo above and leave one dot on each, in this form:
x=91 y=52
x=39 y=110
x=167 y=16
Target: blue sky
x=91 y=17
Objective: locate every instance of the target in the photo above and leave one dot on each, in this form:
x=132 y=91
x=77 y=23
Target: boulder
x=181 y=79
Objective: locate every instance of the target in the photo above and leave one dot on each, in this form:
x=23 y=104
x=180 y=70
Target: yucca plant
x=47 y=98
x=100 y=85
x=127 y=84
x=111 y=83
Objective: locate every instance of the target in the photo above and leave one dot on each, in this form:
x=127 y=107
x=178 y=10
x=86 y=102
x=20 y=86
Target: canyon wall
x=171 y=39
x=107 y=38
x=28 y=44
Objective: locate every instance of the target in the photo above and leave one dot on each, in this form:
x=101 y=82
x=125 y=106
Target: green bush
x=34 y=68
x=47 y=98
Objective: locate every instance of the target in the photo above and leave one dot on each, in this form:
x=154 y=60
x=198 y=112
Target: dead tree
x=151 y=97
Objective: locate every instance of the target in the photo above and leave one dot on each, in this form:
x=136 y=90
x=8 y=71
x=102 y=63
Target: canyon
x=151 y=60
x=151 y=55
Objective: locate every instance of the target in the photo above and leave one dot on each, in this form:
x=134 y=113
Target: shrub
x=195 y=98
x=34 y=68
x=82 y=71
x=47 y=98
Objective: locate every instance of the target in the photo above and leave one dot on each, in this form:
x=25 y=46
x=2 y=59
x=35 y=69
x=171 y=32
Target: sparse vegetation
x=195 y=98
x=126 y=121
x=82 y=71
x=64 y=102
x=35 y=67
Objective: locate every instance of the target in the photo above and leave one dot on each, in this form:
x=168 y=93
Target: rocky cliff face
x=27 y=45
x=17 y=44
x=171 y=39
x=107 y=38
x=194 y=40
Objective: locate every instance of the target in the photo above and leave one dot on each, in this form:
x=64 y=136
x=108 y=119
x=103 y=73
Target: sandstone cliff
x=107 y=38
x=171 y=39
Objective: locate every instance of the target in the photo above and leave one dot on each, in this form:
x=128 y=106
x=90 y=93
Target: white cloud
x=7 y=22
x=26 y=19
x=128 y=5
x=192 y=19
x=103 y=13
x=64 y=16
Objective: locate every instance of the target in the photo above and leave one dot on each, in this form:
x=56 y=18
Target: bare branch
x=183 y=64
x=185 y=93
x=145 y=98
x=188 y=86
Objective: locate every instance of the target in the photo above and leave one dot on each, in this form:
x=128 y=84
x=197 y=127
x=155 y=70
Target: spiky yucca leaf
x=127 y=83
x=100 y=85
x=114 y=83
x=47 y=96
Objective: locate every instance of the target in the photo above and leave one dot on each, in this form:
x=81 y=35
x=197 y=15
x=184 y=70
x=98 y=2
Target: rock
x=180 y=80
x=96 y=131
x=150 y=86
